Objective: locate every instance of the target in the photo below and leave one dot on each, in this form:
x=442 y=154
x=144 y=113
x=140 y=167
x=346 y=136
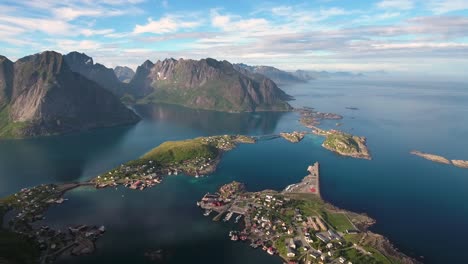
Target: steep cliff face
x=278 y=76
x=208 y=84
x=6 y=81
x=124 y=73
x=105 y=77
x=140 y=85
x=48 y=98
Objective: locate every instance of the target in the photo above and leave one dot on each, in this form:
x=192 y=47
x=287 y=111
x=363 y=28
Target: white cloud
x=446 y=6
x=167 y=24
x=396 y=4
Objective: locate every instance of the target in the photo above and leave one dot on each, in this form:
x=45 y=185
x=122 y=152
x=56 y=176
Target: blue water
x=418 y=204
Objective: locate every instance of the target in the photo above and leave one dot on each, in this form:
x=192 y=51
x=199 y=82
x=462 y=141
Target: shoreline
x=260 y=209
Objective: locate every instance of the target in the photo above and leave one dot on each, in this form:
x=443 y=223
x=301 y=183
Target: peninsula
x=193 y=157
x=441 y=159
x=298 y=226
x=25 y=239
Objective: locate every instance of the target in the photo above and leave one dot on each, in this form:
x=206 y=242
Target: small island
x=344 y=144
x=298 y=226
x=194 y=157
x=337 y=141
x=311 y=118
x=460 y=163
x=441 y=159
x=293 y=137
x=431 y=157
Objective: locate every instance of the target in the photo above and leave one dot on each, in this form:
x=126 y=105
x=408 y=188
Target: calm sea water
x=419 y=205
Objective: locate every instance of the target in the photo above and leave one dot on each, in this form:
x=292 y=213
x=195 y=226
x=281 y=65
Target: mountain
x=124 y=73
x=278 y=76
x=207 y=84
x=105 y=77
x=6 y=81
x=311 y=75
x=41 y=95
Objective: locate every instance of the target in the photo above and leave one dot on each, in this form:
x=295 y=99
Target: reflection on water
x=81 y=156
x=212 y=122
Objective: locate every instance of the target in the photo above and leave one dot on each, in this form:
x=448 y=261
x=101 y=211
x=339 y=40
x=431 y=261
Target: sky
x=415 y=36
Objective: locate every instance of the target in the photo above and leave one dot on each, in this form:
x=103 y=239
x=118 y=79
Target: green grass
x=339 y=221
x=342 y=142
x=356 y=256
x=9 y=129
x=179 y=151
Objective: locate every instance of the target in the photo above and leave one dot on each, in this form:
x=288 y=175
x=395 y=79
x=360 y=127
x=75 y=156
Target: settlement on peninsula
x=297 y=225
x=193 y=157
x=441 y=159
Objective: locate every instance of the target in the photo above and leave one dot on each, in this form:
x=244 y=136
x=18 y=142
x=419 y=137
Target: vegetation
x=346 y=144
x=179 y=151
x=9 y=129
x=339 y=221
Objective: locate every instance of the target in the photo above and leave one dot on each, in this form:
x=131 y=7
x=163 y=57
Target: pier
x=310 y=184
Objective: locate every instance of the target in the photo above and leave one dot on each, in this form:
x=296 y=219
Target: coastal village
x=294 y=224
x=195 y=157
x=22 y=213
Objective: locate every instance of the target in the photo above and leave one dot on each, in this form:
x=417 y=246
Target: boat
x=198 y=204
x=228 y=216
x=207 y=212
x=238 y=218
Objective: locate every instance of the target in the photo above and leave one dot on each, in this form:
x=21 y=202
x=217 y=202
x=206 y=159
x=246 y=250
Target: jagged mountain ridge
x=41 y=95
x=207 y=84
x=124 y=73
x=105 y=77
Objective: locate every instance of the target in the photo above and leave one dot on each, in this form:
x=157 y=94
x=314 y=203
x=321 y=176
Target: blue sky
x=417 y=36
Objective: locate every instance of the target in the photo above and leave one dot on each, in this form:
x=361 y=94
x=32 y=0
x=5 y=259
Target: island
x=194 y=157
x=337 y=141
x=293 y=137
x=460 y=163
x=431 y=157
x=298 y=226
x=311 y=118
x=441 y=159
x=344 y=144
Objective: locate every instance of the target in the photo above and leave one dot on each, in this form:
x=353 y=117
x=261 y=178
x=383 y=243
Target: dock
x=310 y=184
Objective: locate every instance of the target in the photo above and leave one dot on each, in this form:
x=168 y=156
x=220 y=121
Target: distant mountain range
x=280 y=77
x=41 y=95
x=312 y=75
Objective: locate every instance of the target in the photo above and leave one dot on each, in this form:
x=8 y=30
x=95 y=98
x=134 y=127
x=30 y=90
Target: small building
x=291 y=243
x=290 y=253
x=341 y=260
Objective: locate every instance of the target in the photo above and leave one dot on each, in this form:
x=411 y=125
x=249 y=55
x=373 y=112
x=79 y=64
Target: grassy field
x=339 y=221
x=179 y=151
